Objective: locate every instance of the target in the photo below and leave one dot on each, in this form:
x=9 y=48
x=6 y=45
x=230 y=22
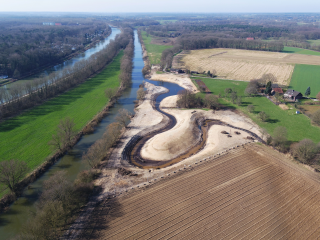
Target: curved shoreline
x=132 y=150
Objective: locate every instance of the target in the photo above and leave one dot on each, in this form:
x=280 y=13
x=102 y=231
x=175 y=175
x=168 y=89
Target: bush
x=263 y=116
x=280 y=138
x=316 y=117
x=305 y=151
x=251 y=108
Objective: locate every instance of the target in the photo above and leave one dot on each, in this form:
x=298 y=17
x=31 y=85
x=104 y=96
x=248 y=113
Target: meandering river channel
x=12 y=221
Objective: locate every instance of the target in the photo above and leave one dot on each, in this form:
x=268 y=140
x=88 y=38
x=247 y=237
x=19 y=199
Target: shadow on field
x=101 y=216
x=57 y=103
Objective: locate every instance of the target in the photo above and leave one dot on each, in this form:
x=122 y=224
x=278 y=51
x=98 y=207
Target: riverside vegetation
x=26 y=137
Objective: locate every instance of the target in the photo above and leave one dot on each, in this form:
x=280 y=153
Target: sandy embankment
x=182 y=80
x=172 y=143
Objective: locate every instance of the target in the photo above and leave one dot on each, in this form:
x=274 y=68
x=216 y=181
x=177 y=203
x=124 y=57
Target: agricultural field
x=314 y=42
x=298 y=126
x=154 y=50
x=300 y=51
x=305 y=76
x=26 y=136
x=244 y=65
x=249 y=193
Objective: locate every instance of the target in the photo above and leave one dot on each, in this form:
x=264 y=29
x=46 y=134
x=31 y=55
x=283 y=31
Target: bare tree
x=123 y=117
x=305 y=150
x=316 y=117
x=280 y=137
x=141 y=93
x=65 y=133
x=318 y=96
x=110 y=92
x=211 y=101
x=250 y=108
x=252 y=87
x=263 y=116
x=11 y=173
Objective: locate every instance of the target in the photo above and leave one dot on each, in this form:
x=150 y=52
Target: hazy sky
x=160 y=6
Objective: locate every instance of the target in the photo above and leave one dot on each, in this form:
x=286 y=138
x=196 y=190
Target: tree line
x=28 y=46
x=24 y=96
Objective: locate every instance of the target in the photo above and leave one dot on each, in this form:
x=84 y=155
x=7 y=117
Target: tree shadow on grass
x=272 y=120
x=55 y=104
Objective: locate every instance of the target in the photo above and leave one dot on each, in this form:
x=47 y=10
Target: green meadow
x=26 y=136
x=154 y=50
x=300 y=51
x=298 y=126
x=305 y=76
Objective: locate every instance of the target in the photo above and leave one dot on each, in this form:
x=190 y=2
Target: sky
x=187 y=6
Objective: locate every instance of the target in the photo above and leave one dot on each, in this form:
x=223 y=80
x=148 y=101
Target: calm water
x=69 y=63
x=12 y=221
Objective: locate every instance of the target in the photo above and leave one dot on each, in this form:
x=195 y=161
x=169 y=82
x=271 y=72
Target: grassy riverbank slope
x=26 y=137
x=154 y=50
x=298 y=126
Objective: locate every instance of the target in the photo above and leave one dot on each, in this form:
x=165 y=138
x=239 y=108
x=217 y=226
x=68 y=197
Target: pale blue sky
x=160 y=6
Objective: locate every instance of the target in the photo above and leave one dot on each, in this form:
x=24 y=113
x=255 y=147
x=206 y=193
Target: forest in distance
x=28 y=44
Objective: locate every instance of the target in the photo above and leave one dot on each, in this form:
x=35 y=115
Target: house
x=3 y=76
x=277 y=90
x=250 y=39
x=294 y=95
x=177 y=71
x=58 y=24
x=274 y=85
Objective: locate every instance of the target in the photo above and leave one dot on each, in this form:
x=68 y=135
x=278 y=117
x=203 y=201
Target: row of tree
x=23 y=96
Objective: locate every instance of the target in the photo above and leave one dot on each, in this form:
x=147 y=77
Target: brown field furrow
x=219 y=210
x=210 y=203
x=263 y=217
x=192 y=200
x=173 y=188
x=315 y=226
x=161 y=199
x=217 y=161
x=227 y=220
x=315 y=234
x=184 y=204
x=249 y=193
x=282 y=211
x=304 y=217
x=298 y=219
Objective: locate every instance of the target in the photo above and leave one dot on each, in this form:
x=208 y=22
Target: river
x=12 y=221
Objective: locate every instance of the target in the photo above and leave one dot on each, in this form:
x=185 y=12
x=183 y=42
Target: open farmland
x=154 y=50
x=245 y=64
x=305 y=76
x=301 y=50
x=26 y=136
x=248 y=193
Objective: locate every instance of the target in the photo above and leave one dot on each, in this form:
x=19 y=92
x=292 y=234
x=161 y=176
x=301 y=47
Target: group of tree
x=187 y=99
x=233 y=95
x=22 y=96
x=27 y=45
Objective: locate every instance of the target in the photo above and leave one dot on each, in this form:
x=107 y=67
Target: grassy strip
x=298 y=126
x=26 y=137
x=300 y=51
x=305 y=76
x=154 y=50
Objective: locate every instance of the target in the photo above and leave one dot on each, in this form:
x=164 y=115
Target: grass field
x=298 y=126
x=154 y=50
x=246 y=194
x=316 y=42
x=305 y=76
x=300 y=51
x=26 y=137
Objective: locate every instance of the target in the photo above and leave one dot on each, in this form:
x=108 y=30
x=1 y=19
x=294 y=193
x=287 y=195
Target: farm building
x=277 y=90
x=177 y=71
x=294 y=95
x=3 y=76
x=49 y=23
x=274 y=85
x=58 y=24
x=250 y=39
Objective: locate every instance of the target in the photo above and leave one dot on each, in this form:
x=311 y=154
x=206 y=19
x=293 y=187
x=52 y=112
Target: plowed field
x=246 y=194
x=245 y=64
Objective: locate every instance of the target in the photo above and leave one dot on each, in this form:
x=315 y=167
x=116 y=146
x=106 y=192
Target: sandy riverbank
x=176 y=141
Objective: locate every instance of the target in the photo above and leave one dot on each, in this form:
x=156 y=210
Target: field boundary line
x=247 y=174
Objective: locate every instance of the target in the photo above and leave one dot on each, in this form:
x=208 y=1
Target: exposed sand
x=182 y=80
x=176 y=141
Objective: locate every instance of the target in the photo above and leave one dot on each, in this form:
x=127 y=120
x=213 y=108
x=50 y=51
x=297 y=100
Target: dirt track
x=247 y=193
